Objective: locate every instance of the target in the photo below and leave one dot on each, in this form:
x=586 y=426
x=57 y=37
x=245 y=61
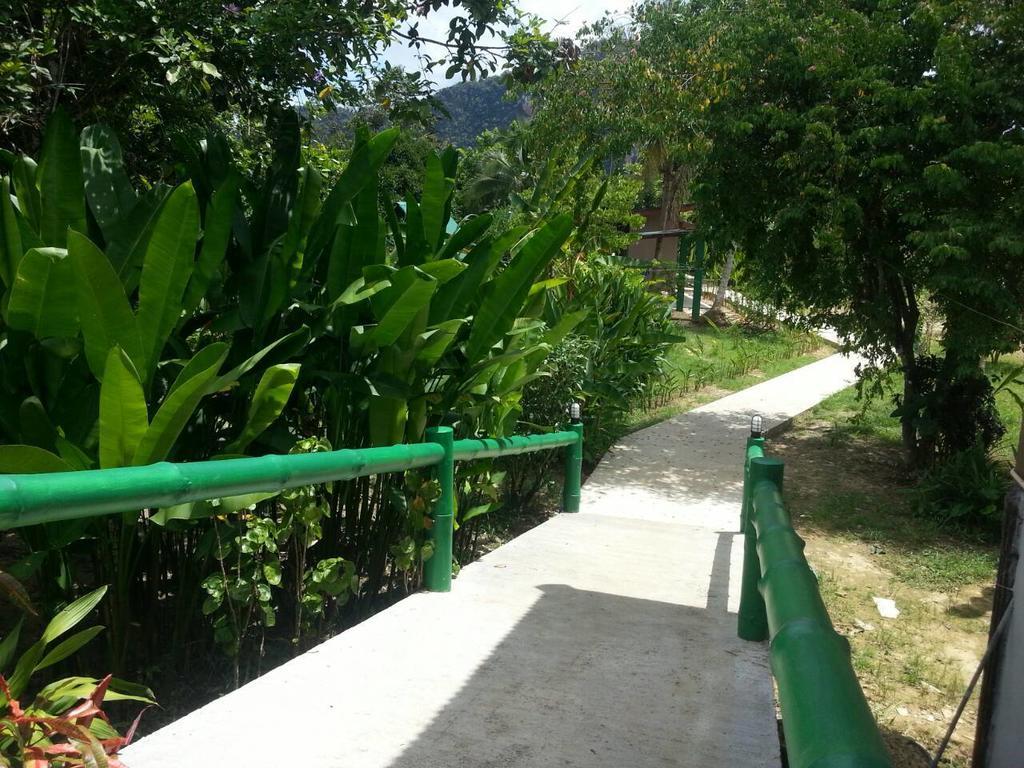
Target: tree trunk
x=670 y=178
x=906 y=318
x=723 y=281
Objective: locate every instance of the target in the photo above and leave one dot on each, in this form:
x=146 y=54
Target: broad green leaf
x=547 y=285
x=30 y=460
x=36 y=426
x=444 y=270
x=436 y=191
x=43 y=298
x=23 y=177
x=268 y=402
x=67 y=647
x=388 y=416
x=10 y=235
x=191 y=386
x=365 y=236
x=24 y=668
x=61 y=191
x=362 y=167
x=165 y=271
x=108 y=189
x=107 y=319
x=72 y=615
x=220 y=213
x=436 y=342
x=265 y=282
x=507 y=292
x=123 y=414
x=338 y=270
x=303 y=214
x=417 y=250
x=126 y=244
x=455 y=297
x=565 y=325
x=481 y=509
x=360 y=291
x=197 y=510
x=9 y=645
x=469 y=232
x=410 y=292
x=284 y=348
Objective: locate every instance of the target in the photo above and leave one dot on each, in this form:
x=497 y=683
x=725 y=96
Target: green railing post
x=682 y=248
x=573 y=471
x=698 y=278
x=752 y=622
x=437 y=570
x=825 y=718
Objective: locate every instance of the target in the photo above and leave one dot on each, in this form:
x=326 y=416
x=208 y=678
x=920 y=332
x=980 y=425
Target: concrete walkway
x=604 y=639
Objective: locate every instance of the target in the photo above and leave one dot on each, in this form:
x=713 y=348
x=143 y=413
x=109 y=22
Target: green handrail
x=825 y=718
x=53 y=497
x=490 y=448
x=59 y=496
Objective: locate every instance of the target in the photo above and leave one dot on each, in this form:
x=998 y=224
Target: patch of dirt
x=848 y=501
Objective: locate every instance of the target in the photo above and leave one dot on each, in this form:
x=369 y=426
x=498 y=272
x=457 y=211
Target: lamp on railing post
x=757 y=425
x=573 y=461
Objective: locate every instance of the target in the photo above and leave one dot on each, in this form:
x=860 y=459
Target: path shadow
x=600 y=680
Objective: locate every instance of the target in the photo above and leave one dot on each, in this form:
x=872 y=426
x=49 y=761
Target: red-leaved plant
x=64 y=726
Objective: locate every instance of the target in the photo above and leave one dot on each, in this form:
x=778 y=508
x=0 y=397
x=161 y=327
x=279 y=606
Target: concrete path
x=604 y=639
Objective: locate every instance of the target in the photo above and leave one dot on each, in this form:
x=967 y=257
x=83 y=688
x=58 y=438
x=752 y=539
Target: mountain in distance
x=476 y=106
x=473 y=107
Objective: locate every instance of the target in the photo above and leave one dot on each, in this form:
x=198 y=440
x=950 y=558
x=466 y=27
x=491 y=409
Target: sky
x=563 y=19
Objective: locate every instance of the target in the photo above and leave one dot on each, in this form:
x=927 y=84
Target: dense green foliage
x=862 y=176
x=232 y=315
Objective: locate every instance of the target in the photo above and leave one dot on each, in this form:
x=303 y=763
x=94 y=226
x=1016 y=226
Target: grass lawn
x=851 y=500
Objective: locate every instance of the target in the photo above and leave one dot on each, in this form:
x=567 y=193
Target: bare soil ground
x=848 y=498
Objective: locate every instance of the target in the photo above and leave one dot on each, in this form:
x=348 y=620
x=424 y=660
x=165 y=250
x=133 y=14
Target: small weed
x=945 y=568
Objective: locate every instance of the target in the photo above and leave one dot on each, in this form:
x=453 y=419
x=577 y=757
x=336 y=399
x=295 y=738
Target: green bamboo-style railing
x=825 y=718
x=58 y=496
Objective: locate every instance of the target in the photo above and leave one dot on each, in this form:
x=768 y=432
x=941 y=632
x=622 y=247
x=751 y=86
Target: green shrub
x=964 y=490
x=626 y=333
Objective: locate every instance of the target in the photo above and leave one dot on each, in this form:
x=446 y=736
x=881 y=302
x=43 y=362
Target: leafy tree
x=152 y=69
x=867 y=154
x=635 y=91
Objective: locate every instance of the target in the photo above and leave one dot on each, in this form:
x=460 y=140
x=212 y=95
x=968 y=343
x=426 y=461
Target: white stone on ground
x=604 y=639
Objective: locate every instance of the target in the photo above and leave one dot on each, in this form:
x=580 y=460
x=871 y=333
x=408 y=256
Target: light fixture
x=575 y=411
x=757 y=425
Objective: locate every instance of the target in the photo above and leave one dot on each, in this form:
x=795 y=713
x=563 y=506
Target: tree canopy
x=869 y=157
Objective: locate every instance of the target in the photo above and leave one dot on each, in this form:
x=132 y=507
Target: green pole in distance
x=698 y=278
x=753 y=618
x=437 y=570
x=682 y=247
x=573 y=471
